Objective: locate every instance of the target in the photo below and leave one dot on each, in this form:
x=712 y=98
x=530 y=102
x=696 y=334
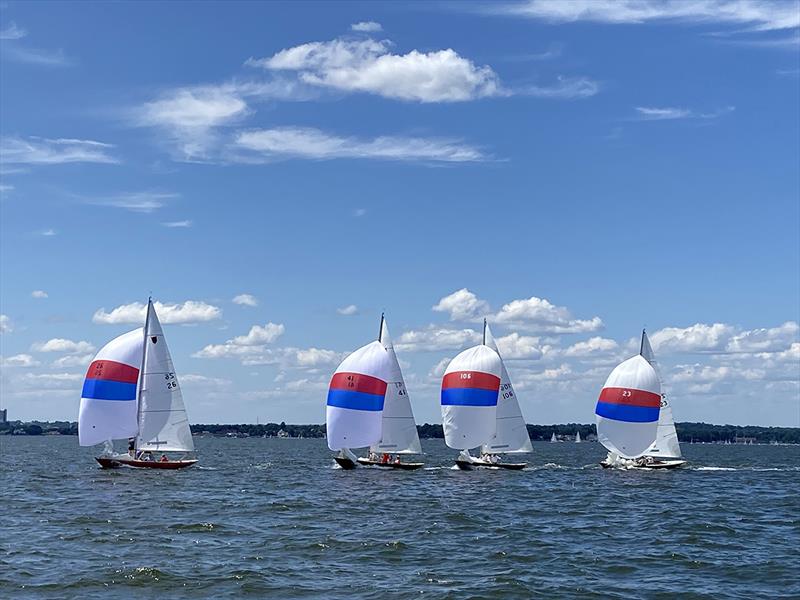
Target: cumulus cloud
x=369 y=66
x=63 y=345
x=765 y=339
x=436 y=338
x=591 y=347
x=245 y=300
x=699 y=337
x=44 y=151
x=52 y=380
x=38 y=294
x=260 y=334
x=12 y=32
x=5 y=324
x=19 y=360
x=73 y=360
x=462 y=305
x=349 y=310
x=540 y=315
x=191 y=311
x=366 y=26
x=516 y=346
x=260 y=145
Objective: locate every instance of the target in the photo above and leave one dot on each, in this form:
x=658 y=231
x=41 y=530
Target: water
x=273 y=518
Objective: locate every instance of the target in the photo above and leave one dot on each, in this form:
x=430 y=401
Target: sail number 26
x=172 y=383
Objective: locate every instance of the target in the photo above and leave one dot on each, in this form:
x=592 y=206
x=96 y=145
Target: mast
x=380 y=330
x=484 y=331
x=141 y=370
x=641 y=344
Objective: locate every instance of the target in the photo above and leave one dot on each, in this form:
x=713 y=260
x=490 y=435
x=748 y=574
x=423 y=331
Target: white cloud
x=591 y=347
x=38 y=294
x=12 y=32
x=44 y=151
x=190 y=116
x=203 y=380
x=365 y=26
x=52 y=380
x=540 y=315
x=245 y=300
x=757 y=15
x=567 y=88
x=310 y=143
x=368 y=65
x=5 y=188
x=699 y=337
x=260 y=334
x=350 y=309
x=174 y=224
x=142 y=202
x=48 y=232
x=765 y=340
x=63 y=345
x=19 y=360
x=5 y=324
x=73 y=360
x=439 y=368
x=259 y=354
x=670 y=113
x=462 y=305
x=435 y=339
x=190 y=311
x=516 y=346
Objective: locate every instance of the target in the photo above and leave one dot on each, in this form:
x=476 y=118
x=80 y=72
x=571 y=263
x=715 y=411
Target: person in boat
x=164 y=458
x=386 y=458
x=146 y=456
x=132 y=447
x=397 y=459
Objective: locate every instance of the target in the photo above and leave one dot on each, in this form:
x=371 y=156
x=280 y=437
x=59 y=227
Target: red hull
x=108 y=462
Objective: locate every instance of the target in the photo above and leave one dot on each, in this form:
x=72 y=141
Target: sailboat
x=577 y=437
x=553 y=438
x=131 y=392
x=368 y=405
x=480 y=408
x=666 y=450
x=628 y=412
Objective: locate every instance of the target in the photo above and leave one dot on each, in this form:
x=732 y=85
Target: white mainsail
x=666 y=444
x=577 y=437
x=470 y=388
x=108 y=409
x=398 y=428
x=354 y=409
x=163 y=422
x=553 y=438
x=511 y=434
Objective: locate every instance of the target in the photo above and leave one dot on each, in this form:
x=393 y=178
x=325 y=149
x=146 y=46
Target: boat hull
x=653 y=466
x=466 y=465
x=114 y=462
x=391 y=465
x=345 y=463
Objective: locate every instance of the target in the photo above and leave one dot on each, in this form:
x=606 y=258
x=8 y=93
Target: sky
x=278 y=174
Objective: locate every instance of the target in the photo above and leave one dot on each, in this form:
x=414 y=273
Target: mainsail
x=354 y=410
x=469 y=397
x=163 y=423
x=628 y=408
x=108 y=409
x=512 y=432
x=398 y=428
x=666 y=444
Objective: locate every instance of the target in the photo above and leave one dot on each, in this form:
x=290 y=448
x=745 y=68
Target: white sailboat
x=628 y=412
x=577 y=437
x=666 y=448
x=553 y=438
x=367 y=406
x=131 y=391
x=470 y=408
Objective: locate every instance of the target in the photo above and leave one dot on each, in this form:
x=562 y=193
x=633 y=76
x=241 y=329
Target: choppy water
x=273 y=518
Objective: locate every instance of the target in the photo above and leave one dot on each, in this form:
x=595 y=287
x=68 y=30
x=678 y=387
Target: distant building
x=3 y=415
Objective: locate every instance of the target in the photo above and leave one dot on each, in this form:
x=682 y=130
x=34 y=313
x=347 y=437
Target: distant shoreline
x=687 y=432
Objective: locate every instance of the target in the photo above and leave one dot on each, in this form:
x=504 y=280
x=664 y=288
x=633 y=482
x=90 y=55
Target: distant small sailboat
x=480 y=408
x=577 y=437
x=628 y=412
x=553 y=438
x=131 y=391
x=368 y=405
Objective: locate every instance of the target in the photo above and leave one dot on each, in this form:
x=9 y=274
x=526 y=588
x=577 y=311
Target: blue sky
x=574 y=172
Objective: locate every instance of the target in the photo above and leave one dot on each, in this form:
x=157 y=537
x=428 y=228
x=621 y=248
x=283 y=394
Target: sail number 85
x=172 y=383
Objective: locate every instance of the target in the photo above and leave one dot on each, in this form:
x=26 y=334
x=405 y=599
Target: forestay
x=163 y=422
x=108 y=400
x=356 y=398
x=512 y=432
x=469 y=397
x=399 y=430
x=628 y=408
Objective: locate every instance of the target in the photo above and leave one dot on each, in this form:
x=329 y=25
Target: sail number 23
x=172 y=383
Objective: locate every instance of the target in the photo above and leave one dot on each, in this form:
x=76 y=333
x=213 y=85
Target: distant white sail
x=163 y=422
x=469 y=397
x=578 y=437
x=628 y=408
x=666 y=444
x=512 y=432
x=108 y=409
x=553 y=438
x=356 y=397
x=399 y=430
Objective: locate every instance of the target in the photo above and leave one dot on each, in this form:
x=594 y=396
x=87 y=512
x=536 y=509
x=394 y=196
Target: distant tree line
x=687 y=432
